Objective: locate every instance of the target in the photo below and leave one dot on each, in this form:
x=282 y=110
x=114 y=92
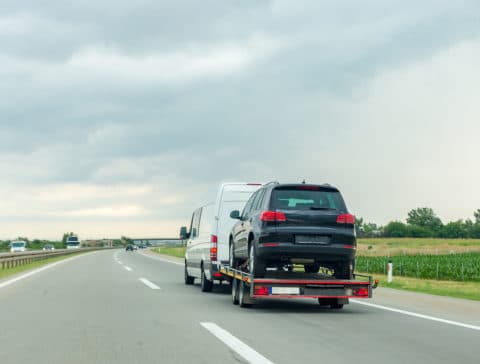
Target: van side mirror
x=235 y=214
x=183 y=233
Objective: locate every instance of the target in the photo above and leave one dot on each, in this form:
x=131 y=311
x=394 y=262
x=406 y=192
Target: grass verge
x=466 y=290
x=178 y=252
x=4 y=273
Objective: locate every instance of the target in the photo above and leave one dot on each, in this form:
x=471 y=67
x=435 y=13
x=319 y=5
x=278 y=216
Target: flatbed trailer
x=246 y=289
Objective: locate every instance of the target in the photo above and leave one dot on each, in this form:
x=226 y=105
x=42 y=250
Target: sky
x=121 y=117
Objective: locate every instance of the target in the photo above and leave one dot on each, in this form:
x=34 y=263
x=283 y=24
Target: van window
x=195 y=229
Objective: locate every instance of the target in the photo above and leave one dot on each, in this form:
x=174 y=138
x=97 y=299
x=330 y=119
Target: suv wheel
x=255 y=265
x=205 y=283
x=231 y=258
x=342 y=270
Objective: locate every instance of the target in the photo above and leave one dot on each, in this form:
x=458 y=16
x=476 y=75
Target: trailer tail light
x=346 y=219
x=261 y=291
x=273 y=216
x=360 y=292
x=213 y=248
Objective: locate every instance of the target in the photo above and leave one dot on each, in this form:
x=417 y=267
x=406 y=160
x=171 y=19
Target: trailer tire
x=235 y=291
x=206 y=284
x=243 y=296
x=188 y=279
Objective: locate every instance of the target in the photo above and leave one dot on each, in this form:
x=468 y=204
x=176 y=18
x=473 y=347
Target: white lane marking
x=235 y=344
x=161 y=259
x=148 y=283
x=419 y=315
x=127 y=268
x=41 y=269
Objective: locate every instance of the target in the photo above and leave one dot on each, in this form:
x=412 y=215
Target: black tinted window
x=300 y=198
x=248 y=206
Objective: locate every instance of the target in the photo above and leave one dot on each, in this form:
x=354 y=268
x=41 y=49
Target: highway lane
x=94 y=310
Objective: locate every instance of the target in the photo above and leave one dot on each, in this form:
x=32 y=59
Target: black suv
x=285 y=224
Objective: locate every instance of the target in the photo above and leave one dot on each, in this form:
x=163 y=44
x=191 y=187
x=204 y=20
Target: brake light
x=217 y=275
x=261 y=291
x=253 y=184
x=346 y=219
x=213 y=248
x=360 y=292
x=273 y=216
x=270 y=244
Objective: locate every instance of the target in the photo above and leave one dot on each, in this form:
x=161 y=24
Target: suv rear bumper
x=321 y=253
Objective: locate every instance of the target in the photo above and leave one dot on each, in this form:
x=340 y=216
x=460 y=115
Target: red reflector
x=270 y=244
x=349 y=247
x=346 y=219
x=261 y=291
x=214 y=239
x=360 y=292
x=217 y=274
x=273 y=216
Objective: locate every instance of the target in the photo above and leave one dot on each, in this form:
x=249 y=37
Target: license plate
x=285 y=290
x=312 y=239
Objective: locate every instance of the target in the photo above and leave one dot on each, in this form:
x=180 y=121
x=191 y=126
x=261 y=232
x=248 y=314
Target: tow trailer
x=246 y=289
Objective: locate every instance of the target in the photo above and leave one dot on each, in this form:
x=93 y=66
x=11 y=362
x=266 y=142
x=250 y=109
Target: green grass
x=465 y=290
x=178 y=252
x=22 y=268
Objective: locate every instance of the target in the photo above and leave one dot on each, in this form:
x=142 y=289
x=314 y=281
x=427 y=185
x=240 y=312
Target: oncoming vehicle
x=73 y=242
x=286 y=224
x=129 y=247
x=207 y=238
x=18 y=246
x=48 y=247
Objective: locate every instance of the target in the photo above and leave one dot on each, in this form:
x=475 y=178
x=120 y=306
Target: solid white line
x=148 y=283
x=419 y=315
x=235 y=344
x=127 y=268
x=161 y=259
x=38 y=270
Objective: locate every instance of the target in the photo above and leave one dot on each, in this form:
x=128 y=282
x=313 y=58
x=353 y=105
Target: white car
x=207 y=238
x=18 y=247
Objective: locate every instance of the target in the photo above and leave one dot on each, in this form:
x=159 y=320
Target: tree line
x=422 y=223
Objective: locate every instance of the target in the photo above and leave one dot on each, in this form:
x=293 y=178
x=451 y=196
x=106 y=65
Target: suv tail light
x=213 y=248
x=273 y=216
x=346 y=219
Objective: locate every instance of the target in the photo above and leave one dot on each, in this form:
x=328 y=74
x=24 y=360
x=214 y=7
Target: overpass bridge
x=158 y=241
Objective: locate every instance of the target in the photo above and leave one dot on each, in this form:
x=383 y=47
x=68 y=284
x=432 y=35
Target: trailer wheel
x=235 y=292
x=188 y=279
x=205 y=283
x=243 y=296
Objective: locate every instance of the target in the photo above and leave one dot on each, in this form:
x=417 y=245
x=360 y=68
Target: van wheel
x=188 y=279
x=255 y=265
x=206 y=284
x=235 y=291
x=231 y=259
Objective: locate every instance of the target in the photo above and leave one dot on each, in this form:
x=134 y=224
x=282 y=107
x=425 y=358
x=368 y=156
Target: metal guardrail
x=11 y=260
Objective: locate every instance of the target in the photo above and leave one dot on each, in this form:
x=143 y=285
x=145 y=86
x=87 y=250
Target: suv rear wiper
x=321 y=208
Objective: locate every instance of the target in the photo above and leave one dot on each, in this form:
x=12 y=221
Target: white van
x=207 y=238
x=18 y=246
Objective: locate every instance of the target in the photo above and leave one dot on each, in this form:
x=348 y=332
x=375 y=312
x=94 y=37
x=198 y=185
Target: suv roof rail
x=271 y=183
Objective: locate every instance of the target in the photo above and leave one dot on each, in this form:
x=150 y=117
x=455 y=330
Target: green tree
x=477 y=216
x=454 y=230
x=395 y=229
x=424 y=217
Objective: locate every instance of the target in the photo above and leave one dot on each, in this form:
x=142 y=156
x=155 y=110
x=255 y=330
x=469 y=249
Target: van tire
x=235 y=291
x=205 y=284
x=188 y=279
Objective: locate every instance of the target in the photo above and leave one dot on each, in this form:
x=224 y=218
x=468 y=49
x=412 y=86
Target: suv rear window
x=300 y=198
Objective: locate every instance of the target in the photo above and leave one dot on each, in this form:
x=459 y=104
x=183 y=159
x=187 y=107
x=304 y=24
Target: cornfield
x=453 y=267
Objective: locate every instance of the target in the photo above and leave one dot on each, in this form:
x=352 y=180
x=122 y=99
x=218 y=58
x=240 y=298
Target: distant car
x=129 y=247
x=135 y=247
x=48 y=247
x=18 y=246
x=142 y=246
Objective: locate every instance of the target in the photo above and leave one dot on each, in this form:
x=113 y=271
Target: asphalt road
x=92 y=309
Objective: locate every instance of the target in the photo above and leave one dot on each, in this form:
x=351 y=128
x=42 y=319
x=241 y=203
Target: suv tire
x=256 y=266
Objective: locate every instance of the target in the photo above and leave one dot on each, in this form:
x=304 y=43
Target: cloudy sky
x=120 y=117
